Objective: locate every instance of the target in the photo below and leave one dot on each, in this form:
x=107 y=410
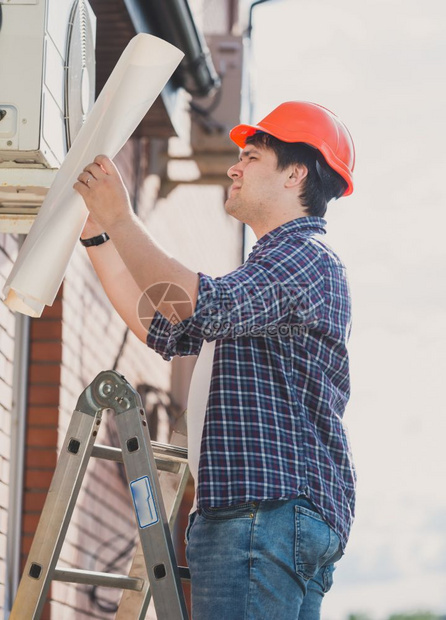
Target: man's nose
x=235 y=171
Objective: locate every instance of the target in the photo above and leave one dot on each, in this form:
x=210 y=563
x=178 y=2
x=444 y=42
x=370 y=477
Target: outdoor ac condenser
x=47 y=84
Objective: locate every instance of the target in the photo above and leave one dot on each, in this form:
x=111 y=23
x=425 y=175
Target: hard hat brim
x=239 y=133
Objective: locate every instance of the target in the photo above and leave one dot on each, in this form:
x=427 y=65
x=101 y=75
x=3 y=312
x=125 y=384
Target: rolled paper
x=138 y=78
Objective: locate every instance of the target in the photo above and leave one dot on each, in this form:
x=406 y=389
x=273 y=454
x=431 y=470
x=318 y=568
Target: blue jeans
x=260 y=560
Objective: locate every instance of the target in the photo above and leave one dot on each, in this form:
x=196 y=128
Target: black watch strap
x=98 y=240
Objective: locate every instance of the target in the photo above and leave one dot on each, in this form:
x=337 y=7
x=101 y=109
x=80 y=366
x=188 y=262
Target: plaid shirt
x=280 y=377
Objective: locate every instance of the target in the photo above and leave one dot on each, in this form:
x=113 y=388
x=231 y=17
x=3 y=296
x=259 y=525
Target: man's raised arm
x=116 y=280
x=130 y=262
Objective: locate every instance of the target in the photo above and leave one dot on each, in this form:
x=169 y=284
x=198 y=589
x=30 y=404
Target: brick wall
x=42 y=419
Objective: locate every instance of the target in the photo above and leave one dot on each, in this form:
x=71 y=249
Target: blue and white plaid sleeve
x=255 y=299
x=170 y=339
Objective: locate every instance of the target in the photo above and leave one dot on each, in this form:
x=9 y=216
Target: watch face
x=79 y=71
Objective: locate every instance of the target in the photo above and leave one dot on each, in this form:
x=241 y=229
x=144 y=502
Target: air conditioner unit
x=47 y=77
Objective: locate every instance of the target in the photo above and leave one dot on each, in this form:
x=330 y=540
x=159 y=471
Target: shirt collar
x=309 y=225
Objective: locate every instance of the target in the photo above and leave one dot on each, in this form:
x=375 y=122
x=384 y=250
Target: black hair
x=321 y=184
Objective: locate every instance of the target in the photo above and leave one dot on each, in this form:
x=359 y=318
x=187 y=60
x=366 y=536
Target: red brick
x=38 y=479
x=54 y=311
x=30 y=522
x=43 y=416
x=46 y=351
x=41 y=458
x=43 y=437
x=43 y=394
x=44 y=373
x=46 y=330
x=27 y=540
x=34 y=502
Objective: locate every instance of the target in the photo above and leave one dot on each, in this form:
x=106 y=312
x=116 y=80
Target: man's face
x=256 y=186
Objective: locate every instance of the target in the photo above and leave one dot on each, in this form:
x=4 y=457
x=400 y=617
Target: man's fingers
x=100 y=167
x=94 y=170
x=106 y=164
x=86 y=178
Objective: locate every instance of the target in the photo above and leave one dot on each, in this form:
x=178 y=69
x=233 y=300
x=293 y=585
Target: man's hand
x=105 y=194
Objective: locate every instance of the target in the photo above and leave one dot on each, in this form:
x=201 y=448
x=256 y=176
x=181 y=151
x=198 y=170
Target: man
x=275 y=483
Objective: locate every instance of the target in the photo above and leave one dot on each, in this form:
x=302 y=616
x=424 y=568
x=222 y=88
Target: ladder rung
x=174 y=452
x=107 y=453
x=167 y=457
x=108 y=580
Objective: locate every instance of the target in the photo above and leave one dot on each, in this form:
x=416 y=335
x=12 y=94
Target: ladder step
x=107 y=453
x=108 y=580
x=174 y=452
x=167 y=457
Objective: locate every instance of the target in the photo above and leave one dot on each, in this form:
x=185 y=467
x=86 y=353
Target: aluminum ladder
x=154 y=571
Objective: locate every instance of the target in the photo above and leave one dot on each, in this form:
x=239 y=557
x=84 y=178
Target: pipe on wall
x=173 y=21
x=17 y=461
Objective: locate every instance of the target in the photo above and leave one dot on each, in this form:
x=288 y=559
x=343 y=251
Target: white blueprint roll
x=138 y=78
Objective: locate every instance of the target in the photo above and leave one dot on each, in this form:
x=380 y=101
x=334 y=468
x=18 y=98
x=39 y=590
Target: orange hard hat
x=302 y=121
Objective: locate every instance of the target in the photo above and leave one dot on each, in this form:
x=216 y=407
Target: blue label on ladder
x=144 y=502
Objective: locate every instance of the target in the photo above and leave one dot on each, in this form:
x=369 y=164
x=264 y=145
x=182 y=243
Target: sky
x=380 y=65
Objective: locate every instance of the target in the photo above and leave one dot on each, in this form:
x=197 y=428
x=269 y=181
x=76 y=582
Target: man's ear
x=296 y=175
